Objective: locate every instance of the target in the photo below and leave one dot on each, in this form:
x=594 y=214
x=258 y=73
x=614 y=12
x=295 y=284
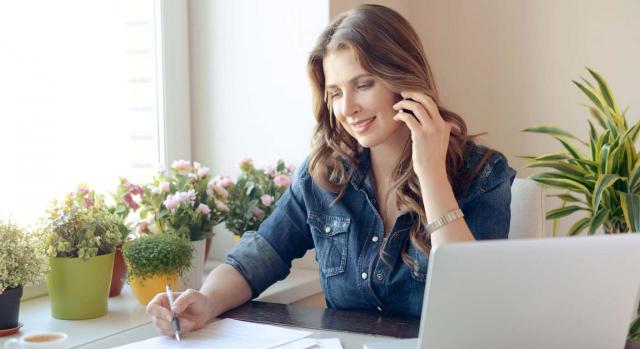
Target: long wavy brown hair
x=386 y=46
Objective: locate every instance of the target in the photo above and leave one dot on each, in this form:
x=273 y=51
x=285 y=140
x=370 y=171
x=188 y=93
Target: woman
x=392 y=175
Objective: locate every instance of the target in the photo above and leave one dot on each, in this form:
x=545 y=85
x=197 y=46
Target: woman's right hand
x=191 y=307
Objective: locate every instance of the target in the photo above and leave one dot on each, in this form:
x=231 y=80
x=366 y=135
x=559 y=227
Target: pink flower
x=282 y=181
x=181 y=165
x=88 y=202
x=134 y=189
x=197 y=165
x=226 y=182
x=245 y=164
x=165 y=187
x=156 y=191
x=185 y=196
x=220 y=206
x=82 y=189
x=128 y=199
x=161 y=168
x=267 y=200
x=220 y=191
x=203 y=172
x=142 y=227
x=269 y=169
x=170 y=203
x=258 y=213
x=291 y=168
x=204 y=209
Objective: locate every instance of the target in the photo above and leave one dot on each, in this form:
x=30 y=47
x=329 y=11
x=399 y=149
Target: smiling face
x=361 y=102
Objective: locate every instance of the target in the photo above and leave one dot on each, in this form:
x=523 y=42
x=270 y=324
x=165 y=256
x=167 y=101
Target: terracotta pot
x=207 y=248
x=10 y=305
x=119 y=273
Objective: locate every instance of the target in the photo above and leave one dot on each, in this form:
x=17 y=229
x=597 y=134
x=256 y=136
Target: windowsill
x=125 y=313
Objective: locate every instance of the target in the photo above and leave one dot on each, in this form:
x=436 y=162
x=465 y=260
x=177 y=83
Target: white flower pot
x=193 y=277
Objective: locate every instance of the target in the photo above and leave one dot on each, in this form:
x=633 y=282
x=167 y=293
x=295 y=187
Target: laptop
x=574 y=292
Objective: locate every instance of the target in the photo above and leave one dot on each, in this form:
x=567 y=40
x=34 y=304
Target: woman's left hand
x=429 y=134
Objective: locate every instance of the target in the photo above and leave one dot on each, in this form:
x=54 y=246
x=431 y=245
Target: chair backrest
x=527 y=210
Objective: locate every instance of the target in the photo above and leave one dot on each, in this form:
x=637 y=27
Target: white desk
x=125 y=314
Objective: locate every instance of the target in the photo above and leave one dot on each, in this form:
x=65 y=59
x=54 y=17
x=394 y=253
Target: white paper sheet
x=313 y=343
x=226 y=333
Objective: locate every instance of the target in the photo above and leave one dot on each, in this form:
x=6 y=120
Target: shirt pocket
x=331 y=239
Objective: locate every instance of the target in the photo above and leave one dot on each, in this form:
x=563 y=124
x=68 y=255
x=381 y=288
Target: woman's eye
x=365 y=85
x=334 y=94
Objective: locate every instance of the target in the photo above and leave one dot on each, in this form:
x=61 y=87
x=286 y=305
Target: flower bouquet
x=252 y=198
x=185 y=201
x=22 y=265
x=80 y=235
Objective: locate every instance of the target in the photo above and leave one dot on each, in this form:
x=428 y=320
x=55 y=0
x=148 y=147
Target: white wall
x=503 y=65
x=506 y=65
x=250 y=95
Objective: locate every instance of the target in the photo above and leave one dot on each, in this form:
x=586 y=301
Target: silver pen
x=174 y=320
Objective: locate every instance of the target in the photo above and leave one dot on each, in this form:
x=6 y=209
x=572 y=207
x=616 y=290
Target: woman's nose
x=349 y=105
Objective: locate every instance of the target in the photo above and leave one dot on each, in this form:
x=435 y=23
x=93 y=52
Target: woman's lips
x=362 y=125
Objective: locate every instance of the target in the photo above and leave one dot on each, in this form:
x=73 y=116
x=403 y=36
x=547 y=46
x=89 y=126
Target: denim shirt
x=348 y=237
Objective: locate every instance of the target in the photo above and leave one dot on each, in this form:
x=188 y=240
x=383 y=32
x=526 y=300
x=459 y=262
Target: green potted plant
x=183 y=201
x=21 y=264
x=252 y=198
x=79 y=236
x=601 y=177
x=155 y=260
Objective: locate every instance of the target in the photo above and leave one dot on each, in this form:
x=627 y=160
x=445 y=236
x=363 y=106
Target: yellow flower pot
x=144 y=289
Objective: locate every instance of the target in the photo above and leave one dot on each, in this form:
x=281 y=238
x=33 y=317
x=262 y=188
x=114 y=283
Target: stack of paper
x=227 y=333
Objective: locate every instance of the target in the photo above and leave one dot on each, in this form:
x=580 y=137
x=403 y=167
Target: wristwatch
x=444 y=220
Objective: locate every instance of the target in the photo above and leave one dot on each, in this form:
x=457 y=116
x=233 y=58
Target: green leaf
x=591 y=94
x=597 y=114
x=602 y=140
x=579 y=226
x=630 y=204
x=552 y=156
x=562 y=183
x=604 y=156
x=552 y=131
x=634 y=178
x=570 y=148
x=560 y=166
x=602 y=184
x=604 y=90
x=634 y=330
x=567 y=198
x=597 y=220
x=562 y=212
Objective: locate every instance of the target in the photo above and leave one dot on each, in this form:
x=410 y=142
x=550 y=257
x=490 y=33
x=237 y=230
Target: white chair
x=527 y=210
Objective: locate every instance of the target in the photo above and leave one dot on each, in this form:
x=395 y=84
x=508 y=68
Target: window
x=79 y=97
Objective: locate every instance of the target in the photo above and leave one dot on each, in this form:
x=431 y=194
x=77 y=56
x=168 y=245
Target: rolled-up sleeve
x=488 y=214
x=264 y=256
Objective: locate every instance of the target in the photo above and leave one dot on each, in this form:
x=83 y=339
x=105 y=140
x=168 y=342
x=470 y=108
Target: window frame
x=172 y=92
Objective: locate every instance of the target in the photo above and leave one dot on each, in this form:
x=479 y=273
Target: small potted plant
x=21 y=264
x=126 y=201
x=600 y=177
x=79 y=235
x=154 y=261
x=252 y=198
x=183 y=201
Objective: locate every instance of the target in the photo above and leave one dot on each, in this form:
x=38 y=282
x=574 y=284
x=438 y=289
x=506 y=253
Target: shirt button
x=374 y=239
x=364 y=276
x=379 y=277
x=379 y=309
x=327 y=229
